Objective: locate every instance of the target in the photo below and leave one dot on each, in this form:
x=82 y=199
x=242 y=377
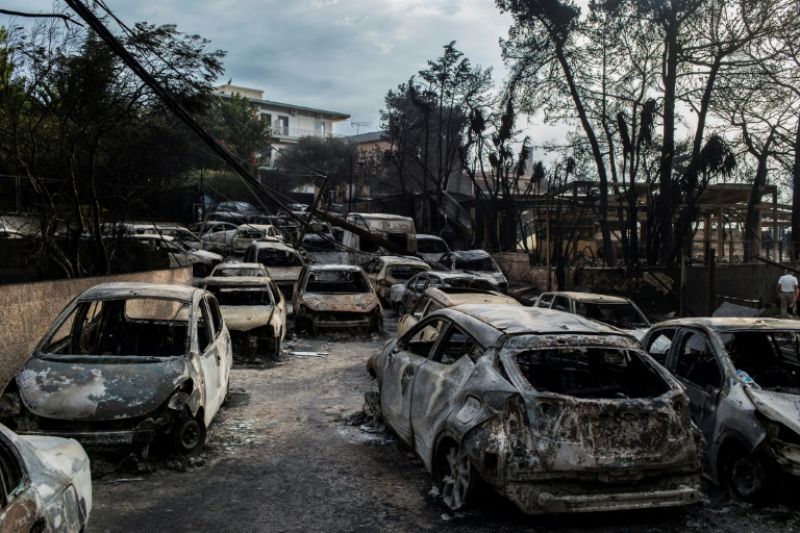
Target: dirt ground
x=285 y=456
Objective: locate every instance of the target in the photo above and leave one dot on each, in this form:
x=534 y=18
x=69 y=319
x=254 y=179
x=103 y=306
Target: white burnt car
x=126 y=363
x=45 y=484
x=336 y=296
x=254 y=312
x=553 y=411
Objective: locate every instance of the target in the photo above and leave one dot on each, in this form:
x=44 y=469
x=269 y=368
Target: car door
x=437 y=383
x=698 y=368
x=400 y=365
x=417 y=290
x=211 y=362
x=18 y=511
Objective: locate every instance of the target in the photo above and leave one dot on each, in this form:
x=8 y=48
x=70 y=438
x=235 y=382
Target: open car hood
x=361 y=302
x=246 y=317
x=781 y=407
x=113 y=387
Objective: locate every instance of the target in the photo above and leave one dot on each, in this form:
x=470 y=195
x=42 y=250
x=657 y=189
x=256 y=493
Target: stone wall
x=29 y=309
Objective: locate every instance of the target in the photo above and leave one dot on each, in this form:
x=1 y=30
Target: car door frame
x=210 y=363
x=400 y=365
x=436 y=387
x=710 y=399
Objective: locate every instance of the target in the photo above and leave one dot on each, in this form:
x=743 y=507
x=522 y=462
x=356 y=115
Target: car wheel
x=747 y=475
x=458 y=478
x=188 y=435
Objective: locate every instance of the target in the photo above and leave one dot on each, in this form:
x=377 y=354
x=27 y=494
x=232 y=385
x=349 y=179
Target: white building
x=288 y=122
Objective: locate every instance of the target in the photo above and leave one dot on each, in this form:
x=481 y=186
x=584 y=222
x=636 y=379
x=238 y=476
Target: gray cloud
x=334 y=54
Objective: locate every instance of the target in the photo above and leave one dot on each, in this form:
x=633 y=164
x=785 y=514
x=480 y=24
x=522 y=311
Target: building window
x=319 y=128
x=266 y=117
x=283 y=126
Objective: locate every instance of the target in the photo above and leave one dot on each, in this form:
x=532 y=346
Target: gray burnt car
x=742 y=376
x=45 y=484
x=254 y=312
x=553 y=411
x=125 y=363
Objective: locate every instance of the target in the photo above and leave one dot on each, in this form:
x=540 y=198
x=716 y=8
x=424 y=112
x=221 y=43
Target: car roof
x=425 y=236
x=590 y=296
x=237 y=281
x=254 y=226
x=454 y=274
x=518 y=320
x=235 y=264
x=451 y=296
x=275 y=245
x=467 y=255
x=150 y=236
x=140 y=290
x=733 y=323
x=336 y=267
x=379 y=216
x=403 y=260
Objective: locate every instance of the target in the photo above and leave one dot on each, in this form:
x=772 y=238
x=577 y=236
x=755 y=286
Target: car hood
x=246 y=317
x=98 y=387
x=357 y=303
x=54 y=463
x=205 y=254
x=284 y=273
x=494 y=277
x=781 y=407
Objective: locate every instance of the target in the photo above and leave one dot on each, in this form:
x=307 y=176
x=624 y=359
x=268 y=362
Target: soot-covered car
x=385 y=271
x=742 y=376
x=126 y=363
x=478 y=262
x=553 y=411
x=283 y=263
x=45 y=484
x=615 y=311
x=254 y=312
x=336 y=296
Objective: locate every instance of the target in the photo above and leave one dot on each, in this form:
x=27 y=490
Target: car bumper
x=101 y=438
x=361 y=322
x=543 y=498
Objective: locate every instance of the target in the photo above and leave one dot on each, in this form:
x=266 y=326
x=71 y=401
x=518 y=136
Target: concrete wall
x=29 y=309
x=518 y=271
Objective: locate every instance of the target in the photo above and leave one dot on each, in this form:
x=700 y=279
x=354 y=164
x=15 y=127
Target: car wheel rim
x=746 y=476
x=457 y=480
x=190 y=436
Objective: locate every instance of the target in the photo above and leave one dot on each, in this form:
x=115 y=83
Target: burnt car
x=336 y=296
x=254 y=312
x=46 y=484
x=615 y=311
x=435 y=298
x=230 y=269
x=126 y=363
x=478 y=262
x=405 y=296
x=742 y=376
x=283 y=263
x=385 y=271
x=554 y=412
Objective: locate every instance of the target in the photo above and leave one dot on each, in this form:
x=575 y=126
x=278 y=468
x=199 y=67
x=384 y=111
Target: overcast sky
x=341 y=55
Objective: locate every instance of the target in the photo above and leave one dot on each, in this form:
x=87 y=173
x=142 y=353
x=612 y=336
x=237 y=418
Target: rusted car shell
x=548 y=452
x=337 y=310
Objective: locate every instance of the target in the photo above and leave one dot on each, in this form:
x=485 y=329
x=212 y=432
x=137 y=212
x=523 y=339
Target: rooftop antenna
x=359 y=125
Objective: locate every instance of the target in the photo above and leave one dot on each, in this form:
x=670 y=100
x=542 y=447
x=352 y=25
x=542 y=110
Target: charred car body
x=336 y=296
x=125 y=363
x=254 y=312
x=406 y=295
x=555 y=412
x=477 y=262
x=283 y=263
x=435 y=298
x=386 y=271
x=742 y=376
x=615 y=311
x=230 y=269
x=46 y=484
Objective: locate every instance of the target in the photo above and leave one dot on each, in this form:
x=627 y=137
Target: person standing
x=787 y=286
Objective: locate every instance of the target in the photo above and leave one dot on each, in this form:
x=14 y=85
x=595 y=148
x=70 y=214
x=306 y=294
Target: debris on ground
x=305 y=355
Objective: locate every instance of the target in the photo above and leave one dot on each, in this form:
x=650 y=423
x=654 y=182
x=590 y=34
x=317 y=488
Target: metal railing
x=283 y=131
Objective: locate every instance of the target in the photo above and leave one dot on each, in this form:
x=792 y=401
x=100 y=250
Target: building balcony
x=282 y=132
